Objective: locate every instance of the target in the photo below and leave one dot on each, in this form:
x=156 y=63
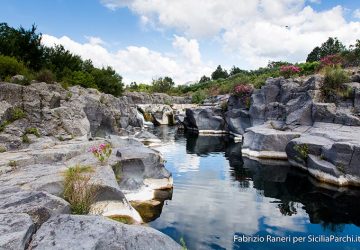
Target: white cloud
x=140 y=63
x=356 y=13
x=253 y=31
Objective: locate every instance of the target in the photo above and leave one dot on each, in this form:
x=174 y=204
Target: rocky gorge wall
x=289 y=120
x=45 y=130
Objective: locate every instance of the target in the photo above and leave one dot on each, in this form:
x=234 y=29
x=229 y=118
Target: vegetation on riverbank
x=21 y=52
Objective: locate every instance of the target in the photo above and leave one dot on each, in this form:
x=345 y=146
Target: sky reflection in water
x=218 y=194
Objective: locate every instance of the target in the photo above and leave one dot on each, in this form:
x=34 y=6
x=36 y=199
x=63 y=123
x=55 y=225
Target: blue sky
x=186 y=39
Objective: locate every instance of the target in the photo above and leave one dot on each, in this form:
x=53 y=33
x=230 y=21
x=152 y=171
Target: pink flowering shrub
x=331 y=60
x=244 y=91
x=103 y=152
x=289 y=70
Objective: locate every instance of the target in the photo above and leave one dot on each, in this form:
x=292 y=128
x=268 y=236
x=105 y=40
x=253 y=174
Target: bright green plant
x=79 y=191
x=25 y=139
x=33 y=131
x=17 y=114
x=302 y=150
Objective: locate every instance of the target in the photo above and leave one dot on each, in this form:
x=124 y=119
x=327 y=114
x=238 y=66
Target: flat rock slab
x=95 y=232
x=16 y=230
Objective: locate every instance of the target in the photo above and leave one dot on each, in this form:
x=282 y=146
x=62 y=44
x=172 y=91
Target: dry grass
x=79 y=191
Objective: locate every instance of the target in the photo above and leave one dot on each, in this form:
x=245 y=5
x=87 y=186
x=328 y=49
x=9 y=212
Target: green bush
x=45 y=75
x=9 y=67
x=78 y=189
x=33 y=131
x=309 y=68
x=17 y=114
x=25 y=139
x=83 y=79
x=198 y=97
x=333 y=82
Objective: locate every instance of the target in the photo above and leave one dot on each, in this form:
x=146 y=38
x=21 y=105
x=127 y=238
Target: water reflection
x=217 y=194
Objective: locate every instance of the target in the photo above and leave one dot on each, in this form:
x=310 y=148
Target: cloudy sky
x=185 y=39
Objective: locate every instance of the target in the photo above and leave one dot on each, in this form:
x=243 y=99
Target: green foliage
x=12 y=164
x=68 y=96
x=309 y=68
x=333 y=82
x=24 y=45
x=162 y=85
x=108 y=81
x=330 y=47
x=302 y=150
x=2 y=149
x=16 y=114
x=33 y=131
x=83 y=79
x=9 y=66
x=25 y=139
x=198 y=97
x=78 y=190
x=204 y=79
x=45 y=75
x=3 y=125
x=183 y=243
x=219 y=73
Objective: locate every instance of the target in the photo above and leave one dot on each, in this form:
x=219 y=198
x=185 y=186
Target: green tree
x=83 y=79
x=204 y=79
x=24 y=45
x=162 y=85
x=331 y=47
x=219 y=73
x=108 y=81
x=236 y=70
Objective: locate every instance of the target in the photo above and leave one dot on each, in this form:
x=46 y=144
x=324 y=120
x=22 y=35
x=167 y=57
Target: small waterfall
x=141 y=117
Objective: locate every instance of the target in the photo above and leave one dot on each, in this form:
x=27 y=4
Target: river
x=218 y=195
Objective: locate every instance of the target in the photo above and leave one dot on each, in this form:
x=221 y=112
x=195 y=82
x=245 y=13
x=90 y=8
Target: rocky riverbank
x=289 y=120
x=45 y=130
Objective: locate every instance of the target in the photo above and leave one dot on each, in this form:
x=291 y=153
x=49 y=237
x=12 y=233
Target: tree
x=108 y=81
x=162 y=85
x=331 y=47
x=235 y=70
x=204 y=79
x=24 y=45
x=219 y=73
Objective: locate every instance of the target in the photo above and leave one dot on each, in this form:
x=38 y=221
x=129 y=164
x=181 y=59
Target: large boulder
x=204 y=121
x=16 y=230
x=94 y=232
x=159 y=114
x=265 y=142
x=237 y=120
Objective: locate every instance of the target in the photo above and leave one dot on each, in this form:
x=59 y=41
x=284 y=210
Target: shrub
x=78 y=190
x=17 y=114
x=3 y=125
x=198 y=97
x=9 y=66
x=103 y=152
x=45 y=75
x=333 y=82
x=244 y=91
x=12 y=164
x=302 y=150
x=68 y=96
x=309 y=68
x=331 y=60
x=33 y=131
x=289 y=70
x=25 y=139
x=2 y=149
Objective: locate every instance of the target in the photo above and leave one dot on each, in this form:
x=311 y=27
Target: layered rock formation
x=288 y=119
x=46 y=129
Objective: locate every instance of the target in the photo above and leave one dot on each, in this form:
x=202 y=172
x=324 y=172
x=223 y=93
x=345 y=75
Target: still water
x=218 y=194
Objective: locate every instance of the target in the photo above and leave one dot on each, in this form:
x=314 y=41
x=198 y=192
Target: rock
x=17 y=78
x=299 y=111
x=39 y=205
x=264 y=142
x=204 y=121
x=355 y=78
x=160 y=114
x=238 y=121
x=323 y=112
x=146 y=136
x=16 y=230
x=155 y=98
x=93 y=232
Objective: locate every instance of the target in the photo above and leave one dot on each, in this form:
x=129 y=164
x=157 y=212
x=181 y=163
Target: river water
x=219 y=195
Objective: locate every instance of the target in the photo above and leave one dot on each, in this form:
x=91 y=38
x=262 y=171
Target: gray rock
x=39 y=205
x=237 y=121
x=323 y=112
x=203 y=120
x=94 y=232
x=16 y=230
